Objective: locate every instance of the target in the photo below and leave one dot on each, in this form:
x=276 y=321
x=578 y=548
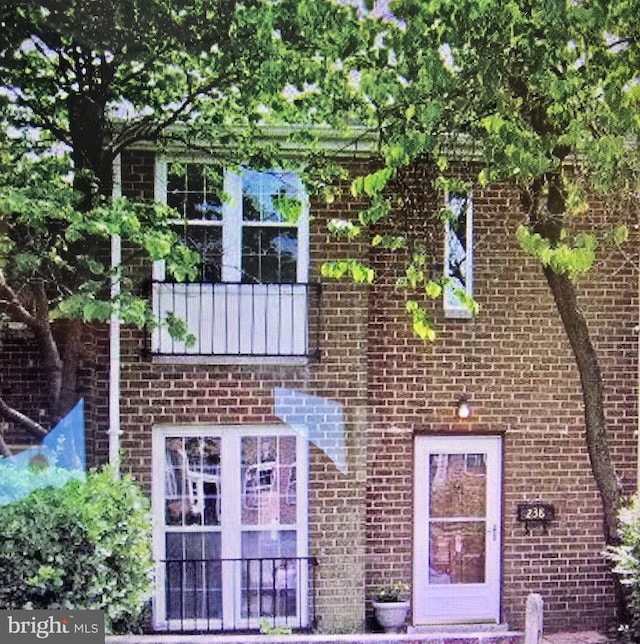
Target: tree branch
x=40 y=327
x=42 y=120
x=148 y=129
x=17 y=417
x=4 y=448
x=12 y=306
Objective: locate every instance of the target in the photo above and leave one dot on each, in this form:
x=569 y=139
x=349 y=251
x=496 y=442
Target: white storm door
x=457 y=529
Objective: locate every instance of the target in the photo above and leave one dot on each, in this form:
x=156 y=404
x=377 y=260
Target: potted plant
x=391 y=606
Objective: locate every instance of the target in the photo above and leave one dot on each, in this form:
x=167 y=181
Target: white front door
x=457 y=529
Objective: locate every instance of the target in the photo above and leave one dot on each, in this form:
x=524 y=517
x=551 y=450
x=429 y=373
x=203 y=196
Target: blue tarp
x=59 y=458
x=317 y=419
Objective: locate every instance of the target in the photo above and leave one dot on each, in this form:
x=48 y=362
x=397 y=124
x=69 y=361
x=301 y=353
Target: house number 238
x=536 y=512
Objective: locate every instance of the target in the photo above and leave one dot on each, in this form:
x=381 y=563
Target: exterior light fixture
x=463 y=407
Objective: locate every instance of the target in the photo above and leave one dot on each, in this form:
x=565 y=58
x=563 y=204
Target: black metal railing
x=208 y=595
x=231 y=319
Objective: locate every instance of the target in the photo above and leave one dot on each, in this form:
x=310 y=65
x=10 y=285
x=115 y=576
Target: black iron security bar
x=209 y=595
x=233 y=319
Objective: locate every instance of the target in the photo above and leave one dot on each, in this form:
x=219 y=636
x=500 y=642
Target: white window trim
x=451 y=305
x=232 y=223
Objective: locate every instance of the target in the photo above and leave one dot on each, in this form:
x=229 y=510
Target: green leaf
x=390 y=242
x=289 y=208
x=433 y=289
x=375 y=182
x=621 y=234
x=421 y=322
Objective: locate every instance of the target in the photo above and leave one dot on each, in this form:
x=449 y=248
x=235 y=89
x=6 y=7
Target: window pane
x=176 y=178
x=457 y=553
x=269 y=573
x=193 y=575
x=271 y=195
x=269 y=255
x=177 y=201
x=457 y=241
x=265 y=544
x=268 y=480
x=457 y=485
x=207 y=241
x=458 y=266
x=193 y=489
x=195 y=178
x=195 y=190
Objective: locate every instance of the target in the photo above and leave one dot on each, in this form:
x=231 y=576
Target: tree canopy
x=101 y=76
x=542 y=93
x=539 y=92
x=82 y=81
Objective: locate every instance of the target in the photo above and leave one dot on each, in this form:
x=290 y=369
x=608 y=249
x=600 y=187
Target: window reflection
x=269 y=255
x=457 y=510
x=269 y=481
x=193 y=489
x=457 y=241
x=457 y=485
x=457 y=553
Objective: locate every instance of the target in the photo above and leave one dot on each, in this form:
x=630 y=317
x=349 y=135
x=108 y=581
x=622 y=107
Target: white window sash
x=232 y=224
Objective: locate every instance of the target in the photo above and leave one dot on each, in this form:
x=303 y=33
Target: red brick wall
x=24 y=385
x=154 y=394
x=513 y=361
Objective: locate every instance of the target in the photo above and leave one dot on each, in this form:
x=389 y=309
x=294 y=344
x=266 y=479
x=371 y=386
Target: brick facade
x=512 y=360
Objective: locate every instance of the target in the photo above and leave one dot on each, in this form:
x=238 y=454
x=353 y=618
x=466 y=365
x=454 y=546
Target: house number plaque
x=534 y=514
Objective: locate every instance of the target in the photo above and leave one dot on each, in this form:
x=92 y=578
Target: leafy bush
x=626 y=557
x=86 y=545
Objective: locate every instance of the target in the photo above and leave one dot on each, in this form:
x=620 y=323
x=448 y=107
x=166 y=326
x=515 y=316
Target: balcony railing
x=230 y=319
x=208 y=595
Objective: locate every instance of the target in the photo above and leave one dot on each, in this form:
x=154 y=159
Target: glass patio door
x=457 y=529
x=230 y=533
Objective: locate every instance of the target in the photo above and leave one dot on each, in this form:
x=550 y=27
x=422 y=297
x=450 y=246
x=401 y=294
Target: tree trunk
x=575 y=326
x=71 y=361
x=547 y=214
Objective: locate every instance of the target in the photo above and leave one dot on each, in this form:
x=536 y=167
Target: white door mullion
x=230 y=521
x=232 y=222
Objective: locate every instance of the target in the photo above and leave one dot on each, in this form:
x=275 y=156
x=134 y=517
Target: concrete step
x=444 y=636
x=458 y=628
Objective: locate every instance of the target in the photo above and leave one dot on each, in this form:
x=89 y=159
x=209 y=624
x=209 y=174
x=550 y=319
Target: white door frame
x=230 y=527
x=443 y=603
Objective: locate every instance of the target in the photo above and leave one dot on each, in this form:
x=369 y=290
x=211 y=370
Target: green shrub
x=86 y=545
x=626 y=557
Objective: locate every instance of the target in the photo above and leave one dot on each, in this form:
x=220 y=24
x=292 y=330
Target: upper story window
x=249 y=226
x=195 y=191
x=251 y=230
x=458 y=253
